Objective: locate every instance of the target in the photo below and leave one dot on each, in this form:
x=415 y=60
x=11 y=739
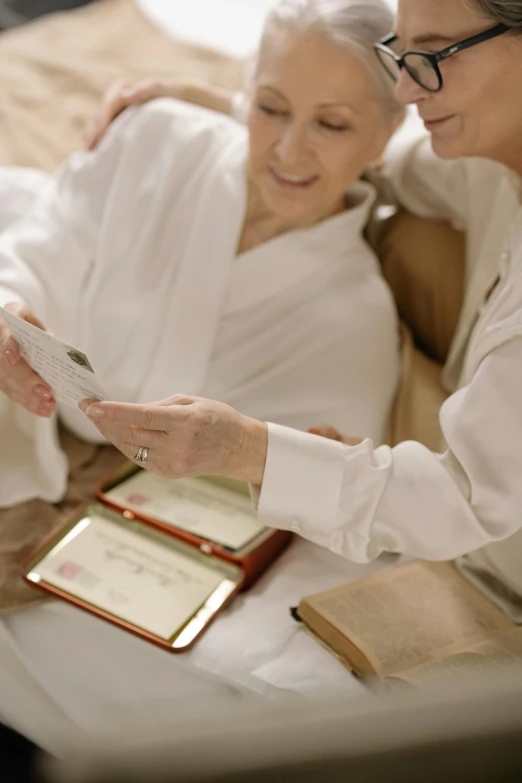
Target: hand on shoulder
x=124 y=94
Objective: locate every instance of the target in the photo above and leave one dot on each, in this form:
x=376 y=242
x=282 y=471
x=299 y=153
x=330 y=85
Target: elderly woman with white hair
x=189 y=253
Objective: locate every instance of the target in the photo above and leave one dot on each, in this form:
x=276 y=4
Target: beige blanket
x=54 y=71
x=25 y=526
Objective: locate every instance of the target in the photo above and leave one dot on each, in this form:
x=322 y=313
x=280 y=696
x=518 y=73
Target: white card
x=124 y=573
x=65 y=368
x=198 y=506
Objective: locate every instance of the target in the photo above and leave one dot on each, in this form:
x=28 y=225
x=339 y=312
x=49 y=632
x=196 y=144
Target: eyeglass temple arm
x=473 y=41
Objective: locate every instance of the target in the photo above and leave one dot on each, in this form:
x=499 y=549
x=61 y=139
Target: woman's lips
x=292 y=182
x=433 y=124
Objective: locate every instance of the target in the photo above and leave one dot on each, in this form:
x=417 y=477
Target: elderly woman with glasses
x=460 y=63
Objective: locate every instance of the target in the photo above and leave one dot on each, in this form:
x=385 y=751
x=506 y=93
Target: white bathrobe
x=130 y=254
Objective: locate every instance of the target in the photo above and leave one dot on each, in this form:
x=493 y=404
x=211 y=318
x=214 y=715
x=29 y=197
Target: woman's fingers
x=19 y=376
x=17 y=380
x=325 y=431
x=33 y=405
x=119 y=97
x=186 y=436
x=351 y=441
x=111 y=105
x=133 y=437
x=36 y=400
x=154 y=416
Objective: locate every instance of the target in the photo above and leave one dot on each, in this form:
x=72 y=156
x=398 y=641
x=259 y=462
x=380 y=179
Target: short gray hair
x=508 y=12
x=353 y=24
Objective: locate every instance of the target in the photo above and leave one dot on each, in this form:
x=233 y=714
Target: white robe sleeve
x=361 y=501
x=44 y=259
x=49 y=252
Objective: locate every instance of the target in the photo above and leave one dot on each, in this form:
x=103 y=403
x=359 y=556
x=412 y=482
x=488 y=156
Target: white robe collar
x=273 y=266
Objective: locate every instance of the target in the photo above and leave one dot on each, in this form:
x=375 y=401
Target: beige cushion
x=424 y=263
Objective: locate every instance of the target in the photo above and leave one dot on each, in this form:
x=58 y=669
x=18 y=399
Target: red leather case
x=185 y=637
x=253 y=560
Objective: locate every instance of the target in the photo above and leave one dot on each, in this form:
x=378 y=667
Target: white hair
x=353 y=24
x=508 y=12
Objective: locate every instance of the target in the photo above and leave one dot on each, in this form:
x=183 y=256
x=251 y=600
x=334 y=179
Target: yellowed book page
x=404 y=617
x=498 y=656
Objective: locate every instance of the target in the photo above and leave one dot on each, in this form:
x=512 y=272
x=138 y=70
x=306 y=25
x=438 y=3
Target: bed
x=53 y=72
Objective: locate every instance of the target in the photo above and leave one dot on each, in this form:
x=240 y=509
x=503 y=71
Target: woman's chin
x=448 y=148
x=293 y=209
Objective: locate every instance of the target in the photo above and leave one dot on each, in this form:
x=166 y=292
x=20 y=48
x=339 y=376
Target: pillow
x=423 y=261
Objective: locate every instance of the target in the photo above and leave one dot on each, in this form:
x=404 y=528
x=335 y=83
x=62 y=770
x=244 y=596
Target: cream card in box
x=214 y=514
x=199 y=507
x=135 y=576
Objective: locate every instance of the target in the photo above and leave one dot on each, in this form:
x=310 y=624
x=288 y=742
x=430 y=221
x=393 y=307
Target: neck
x=267 y=224
x=511 y=156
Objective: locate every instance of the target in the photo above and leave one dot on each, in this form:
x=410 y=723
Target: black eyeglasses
x=423 y=67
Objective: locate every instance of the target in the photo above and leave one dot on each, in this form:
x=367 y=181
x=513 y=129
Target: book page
x=502 y=655
x=195 y=505
x=404 y=617
x=126 y=574
x=65 y=368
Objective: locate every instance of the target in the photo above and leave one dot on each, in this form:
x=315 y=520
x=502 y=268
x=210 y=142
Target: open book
x=420 y=623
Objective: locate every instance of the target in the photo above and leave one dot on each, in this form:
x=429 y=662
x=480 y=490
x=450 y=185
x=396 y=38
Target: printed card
x=141 y=581
x=64 y=367
x=199 y=507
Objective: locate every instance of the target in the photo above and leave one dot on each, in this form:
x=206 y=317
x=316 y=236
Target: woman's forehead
x=423 y=22
x=309 y=62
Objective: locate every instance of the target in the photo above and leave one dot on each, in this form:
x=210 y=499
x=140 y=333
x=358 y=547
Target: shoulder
x=169 y=120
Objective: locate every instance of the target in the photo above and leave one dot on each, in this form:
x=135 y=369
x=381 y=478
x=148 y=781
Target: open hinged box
x=159 y=558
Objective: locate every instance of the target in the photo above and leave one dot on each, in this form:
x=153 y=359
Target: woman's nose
x=407 y=90
x=291 y=145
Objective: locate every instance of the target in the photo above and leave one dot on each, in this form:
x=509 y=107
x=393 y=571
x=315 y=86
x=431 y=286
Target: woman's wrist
x=252 y=451
x=217 y=99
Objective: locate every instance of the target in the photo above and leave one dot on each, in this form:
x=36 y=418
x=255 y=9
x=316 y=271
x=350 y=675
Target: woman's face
x=478 y=111
x=315 y=124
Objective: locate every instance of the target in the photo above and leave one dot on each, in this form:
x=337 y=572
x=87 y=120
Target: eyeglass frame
x=434 y=58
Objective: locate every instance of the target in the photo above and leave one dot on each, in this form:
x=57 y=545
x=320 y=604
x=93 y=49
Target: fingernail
x=10 y=358
x=94 y=412
x=42 y=392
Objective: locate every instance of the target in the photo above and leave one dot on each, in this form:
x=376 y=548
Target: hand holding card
x=17 y=379
x=65 y=370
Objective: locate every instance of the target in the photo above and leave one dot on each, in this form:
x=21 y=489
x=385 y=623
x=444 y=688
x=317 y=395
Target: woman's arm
x=45 y=257
x=362 y=501
x=356 y=501
x=123 y=94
